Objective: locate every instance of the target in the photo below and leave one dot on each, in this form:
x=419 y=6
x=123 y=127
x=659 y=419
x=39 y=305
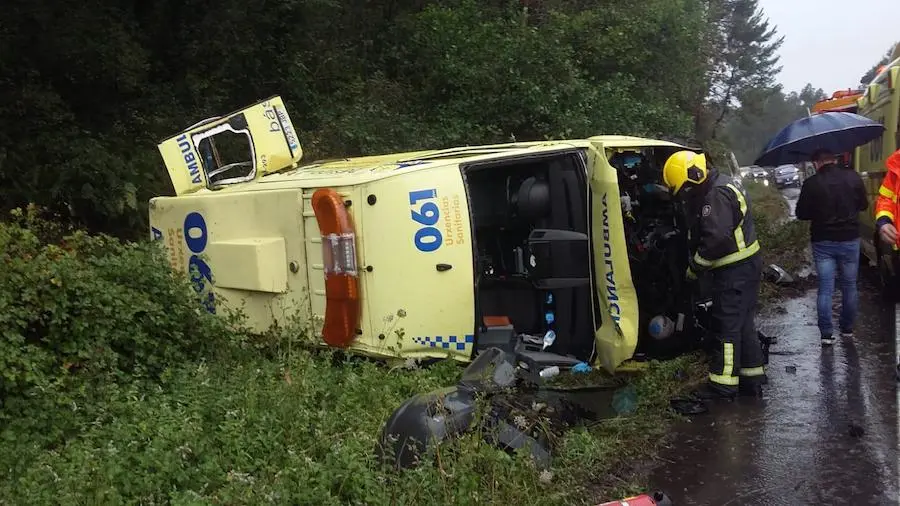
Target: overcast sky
x=826 y=42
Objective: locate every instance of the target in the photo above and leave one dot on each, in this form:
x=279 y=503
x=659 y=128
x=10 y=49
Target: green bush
x=251 y=430
x=80 y=306
x=783 y=241
x=118 y=388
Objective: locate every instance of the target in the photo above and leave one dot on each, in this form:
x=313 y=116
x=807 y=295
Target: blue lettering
x=427 y=238
x=195 y=221
x=611 y=290
x=189 y=158
x=199 y=271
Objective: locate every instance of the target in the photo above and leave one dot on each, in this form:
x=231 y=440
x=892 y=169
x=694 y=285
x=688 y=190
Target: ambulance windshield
x=227 y=156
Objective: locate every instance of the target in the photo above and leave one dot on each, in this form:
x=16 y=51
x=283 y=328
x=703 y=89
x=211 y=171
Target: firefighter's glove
x=690 y=275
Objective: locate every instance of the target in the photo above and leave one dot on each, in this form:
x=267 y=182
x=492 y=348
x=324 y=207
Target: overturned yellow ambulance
x=566 y=250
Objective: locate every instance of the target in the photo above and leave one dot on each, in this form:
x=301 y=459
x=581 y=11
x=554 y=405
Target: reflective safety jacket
x=886 y=210
x=724 y=233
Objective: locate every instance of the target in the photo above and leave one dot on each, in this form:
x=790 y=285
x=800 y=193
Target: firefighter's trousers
x=737 y=356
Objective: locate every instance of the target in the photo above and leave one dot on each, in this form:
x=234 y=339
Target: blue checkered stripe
x=446 y=342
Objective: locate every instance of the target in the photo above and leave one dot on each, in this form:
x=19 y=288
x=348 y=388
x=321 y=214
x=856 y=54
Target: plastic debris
x=624 y=400
x=549 y=339
x=777 y=275
x=805 y=272
x=549 y=372
x=687 y=407
x=581 y=368
x=661 y=327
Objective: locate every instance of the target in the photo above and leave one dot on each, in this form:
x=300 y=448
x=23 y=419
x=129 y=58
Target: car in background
x=755 y=173
x=786 y=176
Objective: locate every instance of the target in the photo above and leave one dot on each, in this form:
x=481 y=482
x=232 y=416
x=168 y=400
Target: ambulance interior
x=534 y=257
x=656 y=234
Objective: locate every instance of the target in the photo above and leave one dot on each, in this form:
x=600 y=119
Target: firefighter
x=886 y=204
x=886 y=208
x=724 y=247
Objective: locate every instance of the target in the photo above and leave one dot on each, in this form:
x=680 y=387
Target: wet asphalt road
x=794 y=446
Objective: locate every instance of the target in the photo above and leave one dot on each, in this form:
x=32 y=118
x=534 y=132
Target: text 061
x=425 y=212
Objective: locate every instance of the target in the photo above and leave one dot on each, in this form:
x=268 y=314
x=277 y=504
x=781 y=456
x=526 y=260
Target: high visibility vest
x=886 y=203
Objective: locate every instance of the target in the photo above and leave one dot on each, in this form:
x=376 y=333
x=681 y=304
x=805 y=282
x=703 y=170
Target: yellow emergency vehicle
x=436 y=253
x=880 y=102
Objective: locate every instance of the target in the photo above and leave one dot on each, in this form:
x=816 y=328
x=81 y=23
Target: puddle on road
x=795 y=445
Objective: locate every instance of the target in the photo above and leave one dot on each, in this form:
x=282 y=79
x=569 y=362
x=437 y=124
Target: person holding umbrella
x=831 y=200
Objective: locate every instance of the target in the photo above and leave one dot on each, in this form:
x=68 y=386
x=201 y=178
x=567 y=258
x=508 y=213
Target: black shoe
x=827 y=339
x=712 y=393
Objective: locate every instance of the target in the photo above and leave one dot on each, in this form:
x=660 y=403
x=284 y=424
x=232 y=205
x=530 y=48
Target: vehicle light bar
x=342 y=305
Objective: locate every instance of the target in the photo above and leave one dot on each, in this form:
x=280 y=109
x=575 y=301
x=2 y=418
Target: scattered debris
x=765 y=342
x=806 y=272
x=790 y=369
x=777 y=275
x=855 y=430
x=519 y=412
x=625 y=400
x=653 y=499
x=581 y=368
x=688 y=406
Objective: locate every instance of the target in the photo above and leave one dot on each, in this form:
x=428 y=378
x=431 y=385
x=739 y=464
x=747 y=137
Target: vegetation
x=83 y=107
x=783 y=241
x=872 y=72
x=763 y=114
x=117 y=389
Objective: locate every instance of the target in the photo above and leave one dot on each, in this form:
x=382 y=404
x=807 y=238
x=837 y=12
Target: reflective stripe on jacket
x=726 y=234
x=886 y=204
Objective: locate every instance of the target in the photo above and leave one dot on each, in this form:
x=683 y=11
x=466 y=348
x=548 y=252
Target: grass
x=246 y=429
x=783 y=242
x=117 y=388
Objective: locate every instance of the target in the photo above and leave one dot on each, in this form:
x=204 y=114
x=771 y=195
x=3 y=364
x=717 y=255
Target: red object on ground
x=656 y=499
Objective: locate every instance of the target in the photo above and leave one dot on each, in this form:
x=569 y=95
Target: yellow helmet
x=684 y=168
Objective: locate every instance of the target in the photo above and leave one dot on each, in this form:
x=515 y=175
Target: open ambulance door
x=617 y=334
x=239 y=147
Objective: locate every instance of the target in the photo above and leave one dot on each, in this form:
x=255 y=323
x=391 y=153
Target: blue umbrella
x=837 y=132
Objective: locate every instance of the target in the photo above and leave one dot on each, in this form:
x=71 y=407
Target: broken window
x=226 y=152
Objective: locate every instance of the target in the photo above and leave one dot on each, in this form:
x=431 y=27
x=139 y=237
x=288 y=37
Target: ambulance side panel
x=243 y=250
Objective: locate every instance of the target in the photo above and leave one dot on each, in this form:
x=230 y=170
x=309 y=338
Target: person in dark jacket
x=831 y=201
x=723 y=245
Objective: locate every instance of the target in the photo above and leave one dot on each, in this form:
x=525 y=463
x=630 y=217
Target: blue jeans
x=829 y=256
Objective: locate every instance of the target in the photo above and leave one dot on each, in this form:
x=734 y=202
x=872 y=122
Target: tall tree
x=751 y=126
x=743 y=59
x=885 y=59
